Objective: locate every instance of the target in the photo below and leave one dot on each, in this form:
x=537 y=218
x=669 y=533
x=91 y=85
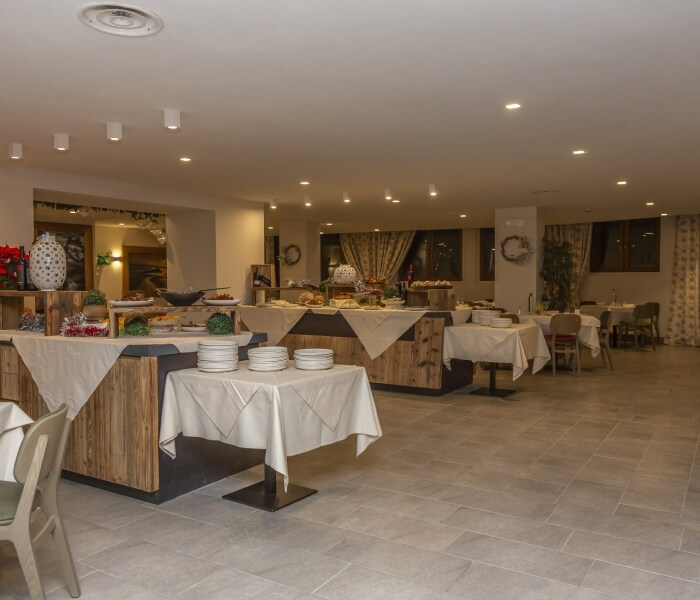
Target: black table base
x=264 y=494
x=492 y=390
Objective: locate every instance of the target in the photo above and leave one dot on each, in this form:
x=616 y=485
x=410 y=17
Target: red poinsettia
x=8 y=264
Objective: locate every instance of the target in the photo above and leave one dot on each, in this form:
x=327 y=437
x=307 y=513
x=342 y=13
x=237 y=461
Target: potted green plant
x=95 y=305
x=558 y=275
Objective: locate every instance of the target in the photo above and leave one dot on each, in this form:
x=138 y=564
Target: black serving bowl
x=181 y=298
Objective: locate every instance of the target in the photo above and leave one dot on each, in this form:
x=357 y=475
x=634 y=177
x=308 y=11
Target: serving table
x=399 y=348
x=587 y=335
x=57 y=305
x=114 y=390
x=115 y=312
x=12 y=419
x=515 y=345
x=285 y=412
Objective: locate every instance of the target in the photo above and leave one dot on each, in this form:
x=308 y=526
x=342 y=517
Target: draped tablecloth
x=587 y=335
x=12 y=419
x=376 y=329
x=286 y=412
x=274 y=321
x=515 y=345
x=69 y=369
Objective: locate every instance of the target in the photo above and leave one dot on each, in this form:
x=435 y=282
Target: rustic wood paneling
x=56 y=306
x=416 y=363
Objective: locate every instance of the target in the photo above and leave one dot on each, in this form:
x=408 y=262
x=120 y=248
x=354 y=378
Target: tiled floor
x=582 y=489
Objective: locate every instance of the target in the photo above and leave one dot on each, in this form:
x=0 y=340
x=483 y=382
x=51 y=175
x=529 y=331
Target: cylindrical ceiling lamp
x=346 y=197
x=61 y=142
x=432 y=190
x=171 y=119
x=114 y=131
x=273 y=205
x=16 y=151
x=387 y=194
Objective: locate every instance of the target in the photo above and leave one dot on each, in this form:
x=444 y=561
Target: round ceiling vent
x=121 y=19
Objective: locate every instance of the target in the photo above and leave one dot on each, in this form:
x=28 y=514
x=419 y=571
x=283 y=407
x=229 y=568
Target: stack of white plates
x=217 y=356
x=269 y=358
x=482 y=316
x=502 y=323
x=313 y=359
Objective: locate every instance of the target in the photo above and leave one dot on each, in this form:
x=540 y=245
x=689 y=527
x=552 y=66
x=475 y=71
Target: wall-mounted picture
x=145 y=270
x=77 y=244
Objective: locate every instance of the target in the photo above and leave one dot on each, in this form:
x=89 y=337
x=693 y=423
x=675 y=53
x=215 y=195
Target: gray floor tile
x=358 y=583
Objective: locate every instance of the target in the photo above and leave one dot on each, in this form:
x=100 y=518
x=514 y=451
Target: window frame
x=624 y=249
x=484 y=254
x=430 y=254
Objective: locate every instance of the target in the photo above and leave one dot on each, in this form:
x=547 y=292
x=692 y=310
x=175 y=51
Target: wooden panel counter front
x=413 y=361
x=114 y=438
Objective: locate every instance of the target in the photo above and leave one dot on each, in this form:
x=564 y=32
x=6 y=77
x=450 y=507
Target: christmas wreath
x=516 y=249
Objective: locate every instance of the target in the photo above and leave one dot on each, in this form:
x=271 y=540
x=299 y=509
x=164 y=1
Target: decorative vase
x=344 y=275
x=47 y=264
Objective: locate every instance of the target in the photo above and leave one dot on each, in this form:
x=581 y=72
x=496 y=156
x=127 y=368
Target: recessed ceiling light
x=664 y=214
x=304 y=182
x=121 y=224
x=513 y=106
x=650 y=204
x=329 y=224
x=185 y=159
x=376 y=229
x=395 y=201
x=579 y=152
x=346 y=197
x=270 y=227
x=321 y=232
x=621 y=183
x=432 y=190
x=462 y=216
x=73 y=211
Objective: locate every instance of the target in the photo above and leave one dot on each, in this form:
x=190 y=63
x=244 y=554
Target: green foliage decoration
x=558 y=275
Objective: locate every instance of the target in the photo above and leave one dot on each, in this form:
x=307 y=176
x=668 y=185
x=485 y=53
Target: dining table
x=515 y=345
x=12 y=420
x=285 y=412
x=587 y=335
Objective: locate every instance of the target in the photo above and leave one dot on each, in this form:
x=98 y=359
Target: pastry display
x=440 y=283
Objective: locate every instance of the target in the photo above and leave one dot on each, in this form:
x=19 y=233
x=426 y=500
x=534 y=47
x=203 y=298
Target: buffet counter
x=398 y=348
x=114 y=389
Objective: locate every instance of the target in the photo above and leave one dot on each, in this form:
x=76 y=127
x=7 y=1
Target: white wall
x=638 y=288
x=191 y=247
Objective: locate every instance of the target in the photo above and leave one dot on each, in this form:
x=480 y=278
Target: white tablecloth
x=275 y=322
x=12 y=419
x=513 y=345
x=68 y=370
x=286 y=412
x=587 y=335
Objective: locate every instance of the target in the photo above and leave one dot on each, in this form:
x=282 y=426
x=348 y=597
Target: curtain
x=683 y=326
x=579 y=236
x=378 y=254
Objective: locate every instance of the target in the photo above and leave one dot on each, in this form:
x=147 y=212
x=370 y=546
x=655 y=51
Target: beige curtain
x=579 y=236
x=683 y=326
x=378 y=254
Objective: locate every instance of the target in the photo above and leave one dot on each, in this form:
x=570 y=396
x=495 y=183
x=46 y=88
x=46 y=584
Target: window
x=487 y=254
x=331 y=254
x=435 y=255
x=625 y=245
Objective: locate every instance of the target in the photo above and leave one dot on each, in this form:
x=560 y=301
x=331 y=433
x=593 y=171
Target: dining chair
x=37 y=470
x=604 y=334
x=564 y=338
x=515 y=318
x=641 y=324
x=594 y=310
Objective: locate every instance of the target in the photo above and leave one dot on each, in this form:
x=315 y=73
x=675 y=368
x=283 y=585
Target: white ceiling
x=363 y=95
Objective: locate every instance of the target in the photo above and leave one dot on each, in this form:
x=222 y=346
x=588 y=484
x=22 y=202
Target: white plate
x=264 y=368
x=130 y=303
x=191 y=329
x=313 y=351
x=221 y=370
x=221 y=302
x=163 y=324
x=314 y=367
x=417 y=308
